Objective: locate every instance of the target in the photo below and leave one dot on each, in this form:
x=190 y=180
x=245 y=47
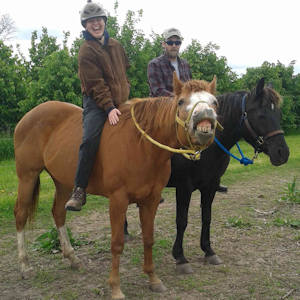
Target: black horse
x=254 y=116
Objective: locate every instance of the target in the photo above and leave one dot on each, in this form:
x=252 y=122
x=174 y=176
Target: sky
x=248 y=32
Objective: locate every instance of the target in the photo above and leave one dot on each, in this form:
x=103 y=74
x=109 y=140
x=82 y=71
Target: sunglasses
x=171 y=43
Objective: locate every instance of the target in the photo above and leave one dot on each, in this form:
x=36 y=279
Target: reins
x=192 y=152
x=244 y=160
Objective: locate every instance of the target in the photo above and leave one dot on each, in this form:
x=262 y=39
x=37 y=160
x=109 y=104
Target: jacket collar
x=166 y=59
x=88 y=37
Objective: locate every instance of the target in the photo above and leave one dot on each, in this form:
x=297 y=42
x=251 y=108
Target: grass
x=6 y=148
x=234 y=173
x=262 y=164
x=291 y=194
x=239 y=230
x=294 y=223
x=238 y=222
x=49 y=241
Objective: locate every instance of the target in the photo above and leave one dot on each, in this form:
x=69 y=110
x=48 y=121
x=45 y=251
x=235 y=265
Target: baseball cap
x=170 y=32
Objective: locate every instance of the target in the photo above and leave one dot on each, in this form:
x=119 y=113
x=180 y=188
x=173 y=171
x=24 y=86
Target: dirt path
x=261 y=260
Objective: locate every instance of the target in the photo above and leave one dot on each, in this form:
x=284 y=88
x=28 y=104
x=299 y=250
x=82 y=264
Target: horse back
x=38 y=134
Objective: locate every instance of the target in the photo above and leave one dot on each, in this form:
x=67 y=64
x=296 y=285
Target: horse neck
x=230 y=112
x=157 y=118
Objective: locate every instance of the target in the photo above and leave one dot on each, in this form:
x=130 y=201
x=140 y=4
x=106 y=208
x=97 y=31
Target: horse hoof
x=184 y=269
x=118 y=296
x=26 y=273
x=77 y=265
x=158 y=287
x=213 y=260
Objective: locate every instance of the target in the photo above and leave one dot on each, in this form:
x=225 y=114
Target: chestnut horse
x=128 y=168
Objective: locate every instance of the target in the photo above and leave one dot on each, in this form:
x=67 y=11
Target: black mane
x=230 y=105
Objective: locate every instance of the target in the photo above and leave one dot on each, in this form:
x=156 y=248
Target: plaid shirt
x=160 y=75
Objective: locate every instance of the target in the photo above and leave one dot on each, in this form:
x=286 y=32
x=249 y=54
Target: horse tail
x=35 y=199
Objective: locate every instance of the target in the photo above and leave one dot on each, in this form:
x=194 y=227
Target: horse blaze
x=204 y=126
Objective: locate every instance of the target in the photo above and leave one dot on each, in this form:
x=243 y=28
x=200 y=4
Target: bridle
x=191 y=152
x=259 y=141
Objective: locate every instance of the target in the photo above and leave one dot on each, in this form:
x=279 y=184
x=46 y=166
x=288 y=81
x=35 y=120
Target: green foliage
x=139 y=49
x=56 y=81
x=237 y=222
x=40 y=50
x=12 y=87
x=284 y=83
x=291 y=193
x=6 y=148
x=294 y=223
x=51 y=72
x=205 y=63
x=49 y=241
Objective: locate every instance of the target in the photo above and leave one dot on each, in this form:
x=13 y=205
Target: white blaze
x=206 y=99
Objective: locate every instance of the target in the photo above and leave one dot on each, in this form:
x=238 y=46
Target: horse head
x=196 y=111
x=262 y=121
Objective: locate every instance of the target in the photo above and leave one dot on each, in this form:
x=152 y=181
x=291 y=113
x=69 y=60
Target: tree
x=284 y=83
x=40 y=50
x=205 y=63
x=56 y=76
x=12 y=87
x=7 y=28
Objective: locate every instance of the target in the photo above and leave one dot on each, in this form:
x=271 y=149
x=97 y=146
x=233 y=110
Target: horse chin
x=278 y=161
x=203 y=138
x=203 y=132
x=278 y=155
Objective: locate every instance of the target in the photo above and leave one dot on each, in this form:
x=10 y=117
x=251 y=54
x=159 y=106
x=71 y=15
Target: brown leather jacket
x=102 y=72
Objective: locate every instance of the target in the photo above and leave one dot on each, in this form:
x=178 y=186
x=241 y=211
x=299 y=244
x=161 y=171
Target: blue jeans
x=93 y=120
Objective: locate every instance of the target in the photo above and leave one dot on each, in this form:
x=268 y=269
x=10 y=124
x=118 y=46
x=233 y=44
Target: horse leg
x=207 y=198
x=118 y=205
x=59 y=214
x=183 y=198
x=28 y=188
x=147 y=215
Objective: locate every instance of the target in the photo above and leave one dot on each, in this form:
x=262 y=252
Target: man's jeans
x=93 y=122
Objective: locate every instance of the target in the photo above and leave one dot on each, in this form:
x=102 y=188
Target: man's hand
x=113 y=116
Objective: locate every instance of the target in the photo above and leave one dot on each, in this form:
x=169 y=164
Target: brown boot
x=77 y=200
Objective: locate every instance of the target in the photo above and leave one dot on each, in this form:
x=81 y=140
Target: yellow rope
x=193 y=153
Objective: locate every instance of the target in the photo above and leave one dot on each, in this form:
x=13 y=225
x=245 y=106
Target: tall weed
x=6 y=148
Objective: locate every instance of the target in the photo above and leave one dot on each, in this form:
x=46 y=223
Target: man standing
x=160 y=69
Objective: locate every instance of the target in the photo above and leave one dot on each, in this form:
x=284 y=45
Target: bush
x=6 y=148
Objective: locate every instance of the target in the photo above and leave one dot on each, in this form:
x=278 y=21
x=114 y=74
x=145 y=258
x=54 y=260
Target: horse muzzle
x=204 y=127
x=277 y=149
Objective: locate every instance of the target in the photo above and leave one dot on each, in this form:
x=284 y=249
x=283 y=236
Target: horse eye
x=180 y=102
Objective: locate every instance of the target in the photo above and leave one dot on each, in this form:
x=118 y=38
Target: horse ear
x=177 y=84
x=260 y=87
x=213 y=85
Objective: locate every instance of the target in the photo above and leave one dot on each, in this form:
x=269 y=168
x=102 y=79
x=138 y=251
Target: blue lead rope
x=244 y=160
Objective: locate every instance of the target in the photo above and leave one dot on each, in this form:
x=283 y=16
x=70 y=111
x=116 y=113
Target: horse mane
x=195 y=86
x=273 y=96
x=150 y=113
x=230 y=101
x=154 y=113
